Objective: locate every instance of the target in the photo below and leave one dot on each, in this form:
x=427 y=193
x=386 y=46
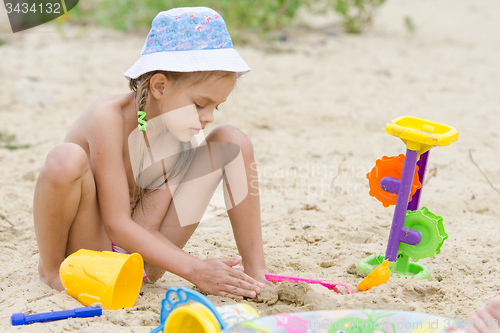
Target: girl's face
x=189 y=108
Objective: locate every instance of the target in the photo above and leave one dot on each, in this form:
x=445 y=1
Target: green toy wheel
x=430 y=226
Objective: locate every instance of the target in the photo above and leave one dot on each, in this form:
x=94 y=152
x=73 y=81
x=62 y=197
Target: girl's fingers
x=231 y=261
x=242 y=276
x=234 y=282
x=477 y=324
x=470 y=328
x=227 y=294
x=494 y=309
x=488 y=323
x=239 y=292
x=261 y=285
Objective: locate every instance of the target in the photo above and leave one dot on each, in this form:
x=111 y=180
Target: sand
x=317 y=101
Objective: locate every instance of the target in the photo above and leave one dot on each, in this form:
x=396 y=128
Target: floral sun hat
x=188 y=39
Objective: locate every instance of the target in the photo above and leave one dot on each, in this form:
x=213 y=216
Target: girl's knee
x=232 y=134
x=66 y=162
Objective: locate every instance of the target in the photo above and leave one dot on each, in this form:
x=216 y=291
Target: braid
x=144 y=90
x=133 y=84
x=141 y=84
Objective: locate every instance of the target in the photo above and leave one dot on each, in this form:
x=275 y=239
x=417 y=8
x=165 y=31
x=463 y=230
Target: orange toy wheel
x=389 y=167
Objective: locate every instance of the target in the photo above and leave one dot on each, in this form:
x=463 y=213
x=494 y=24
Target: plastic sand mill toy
x=415 y=233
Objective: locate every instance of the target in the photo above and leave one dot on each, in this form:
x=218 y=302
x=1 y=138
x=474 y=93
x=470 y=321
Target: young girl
x=130 y=174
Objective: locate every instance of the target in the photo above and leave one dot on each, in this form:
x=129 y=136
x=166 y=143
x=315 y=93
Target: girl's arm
x=106 y=139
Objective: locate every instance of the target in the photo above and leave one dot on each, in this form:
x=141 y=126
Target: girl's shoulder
x=107 y=111
x=107 y=106
x=104 y=118
x=107 y=114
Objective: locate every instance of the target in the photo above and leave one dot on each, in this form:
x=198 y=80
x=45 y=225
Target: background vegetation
x=242 y=16
x=258 y=16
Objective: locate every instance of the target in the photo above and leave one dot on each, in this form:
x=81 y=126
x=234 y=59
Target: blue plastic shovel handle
x=22 y=319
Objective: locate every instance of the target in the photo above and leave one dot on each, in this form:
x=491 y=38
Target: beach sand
x=315 y=107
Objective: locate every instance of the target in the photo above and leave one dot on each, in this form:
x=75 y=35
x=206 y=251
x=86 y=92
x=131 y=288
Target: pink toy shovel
x=332 y=285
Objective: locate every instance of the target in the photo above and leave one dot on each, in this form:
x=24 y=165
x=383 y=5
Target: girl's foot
x=153 y=273
x=258 y=275
x=52 y=280
x=486 y=320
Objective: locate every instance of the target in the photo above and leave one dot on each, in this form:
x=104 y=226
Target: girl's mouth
x=195 y=130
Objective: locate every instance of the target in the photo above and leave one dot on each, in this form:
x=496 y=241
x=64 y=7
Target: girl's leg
x=245 y=216
x=65 y=210
x=198 y=187
x=185 y=210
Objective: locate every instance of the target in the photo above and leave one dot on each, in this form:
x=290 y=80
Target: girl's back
x=117 y=115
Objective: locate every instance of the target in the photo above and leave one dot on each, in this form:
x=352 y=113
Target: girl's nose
x=207 y=116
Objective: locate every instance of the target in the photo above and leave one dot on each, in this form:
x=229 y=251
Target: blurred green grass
x=242 y=16
x=357 y=15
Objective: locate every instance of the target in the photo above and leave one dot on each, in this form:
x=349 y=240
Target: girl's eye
x=201 y=107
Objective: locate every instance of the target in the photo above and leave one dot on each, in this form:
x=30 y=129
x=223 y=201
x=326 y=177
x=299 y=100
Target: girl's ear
x=157 y=85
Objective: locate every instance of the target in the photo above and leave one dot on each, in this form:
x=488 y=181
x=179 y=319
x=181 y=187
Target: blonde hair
x=141 y=86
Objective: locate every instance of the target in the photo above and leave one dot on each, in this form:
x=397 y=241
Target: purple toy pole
x=422 y=164
x=401 y=204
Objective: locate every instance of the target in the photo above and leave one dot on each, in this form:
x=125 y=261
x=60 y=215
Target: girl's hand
x=218 y=277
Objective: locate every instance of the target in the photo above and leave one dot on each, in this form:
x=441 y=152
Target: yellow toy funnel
x=379 y=276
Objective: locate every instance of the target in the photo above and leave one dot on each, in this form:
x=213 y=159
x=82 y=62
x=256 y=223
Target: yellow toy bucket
x=198 y=318
x=113 y=279
x=192 y=318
